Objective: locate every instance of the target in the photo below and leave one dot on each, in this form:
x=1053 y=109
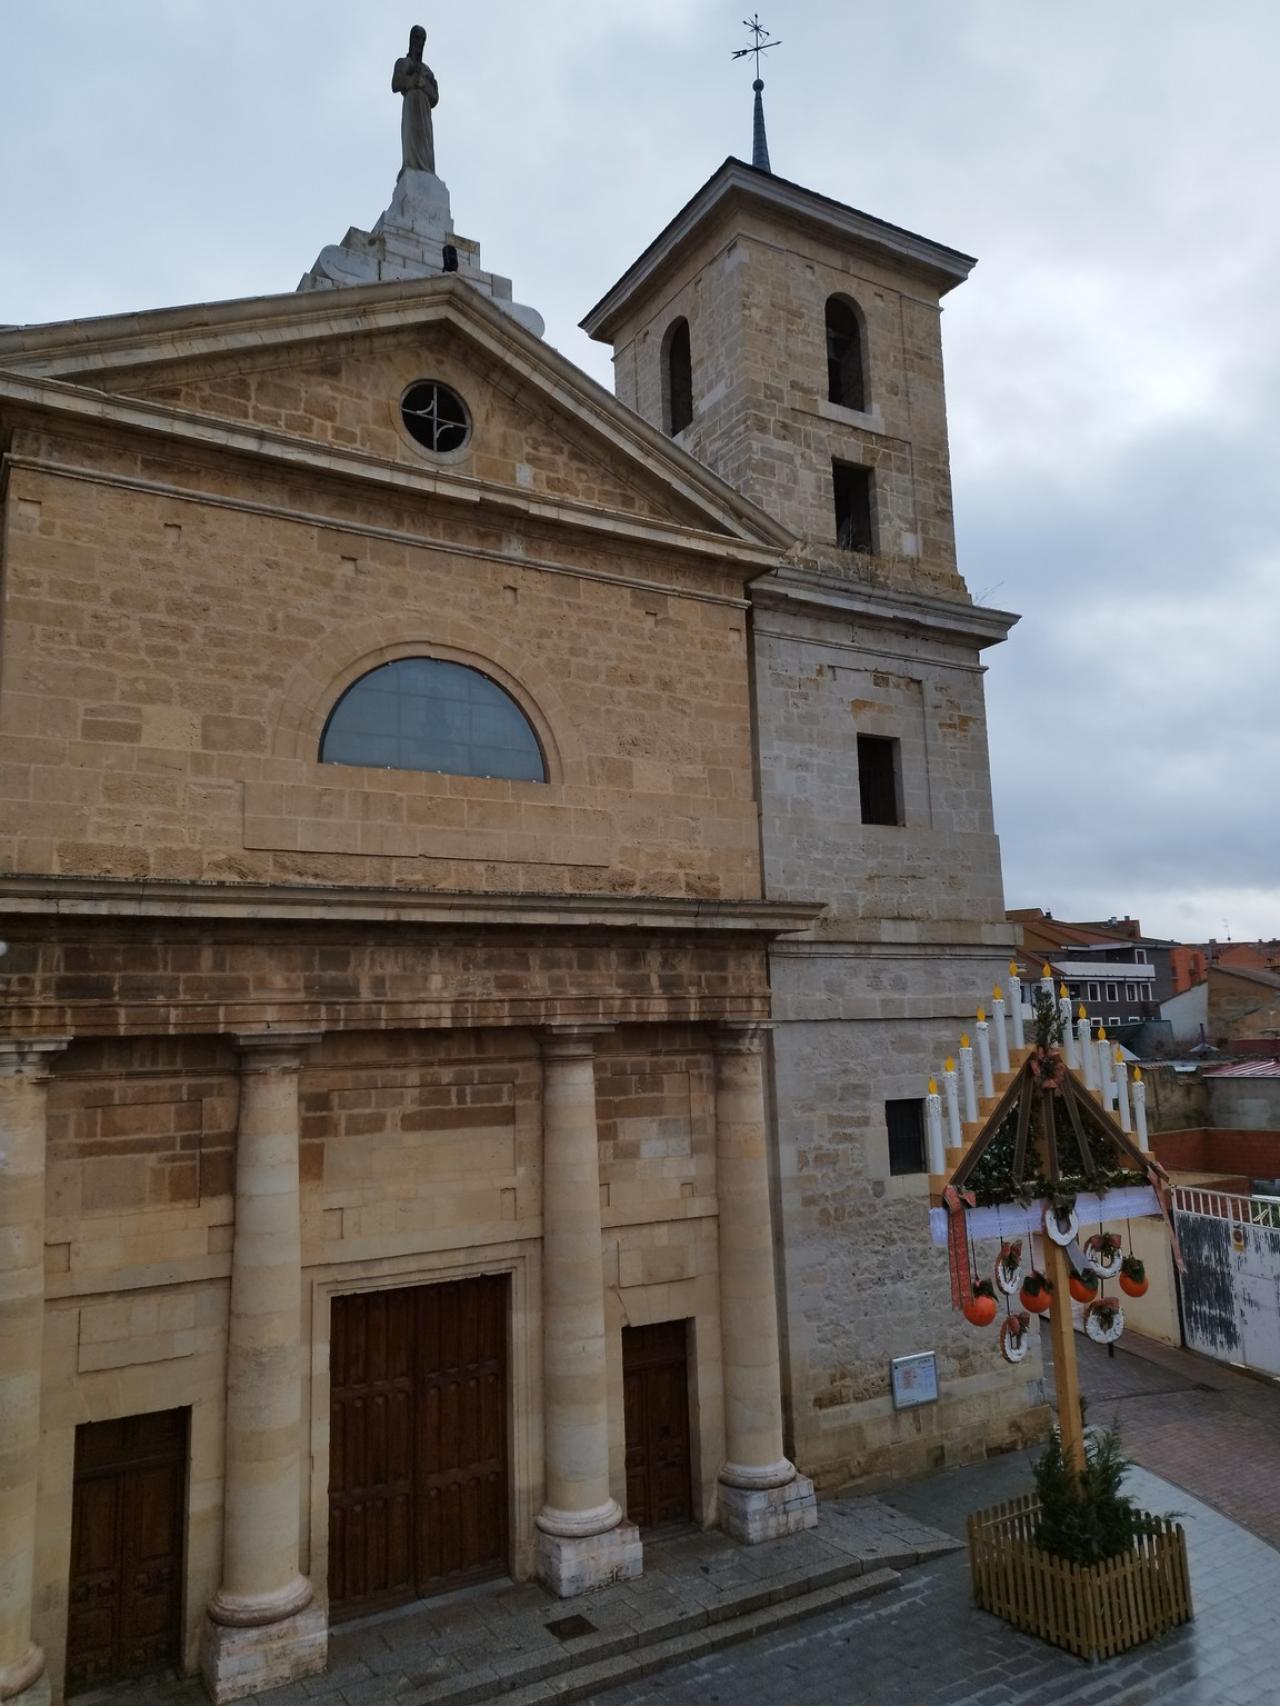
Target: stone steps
x=591 y=1663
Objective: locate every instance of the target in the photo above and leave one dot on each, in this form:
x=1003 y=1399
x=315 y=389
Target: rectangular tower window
x=878 y=782
x=904 y=1120
x=852 y=486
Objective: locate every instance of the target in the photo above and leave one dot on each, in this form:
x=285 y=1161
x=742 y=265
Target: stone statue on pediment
x=416 y=82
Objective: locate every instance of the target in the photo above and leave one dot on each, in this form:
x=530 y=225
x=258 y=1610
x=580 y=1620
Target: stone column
x=263 y=1628
x=24 y=1079
x=761 y=1496
x=583 y=1540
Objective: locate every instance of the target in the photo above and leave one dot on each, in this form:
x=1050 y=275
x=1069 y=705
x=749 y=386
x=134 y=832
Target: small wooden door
x=655 y=1375
x=418 y=1442
x=125 y=1611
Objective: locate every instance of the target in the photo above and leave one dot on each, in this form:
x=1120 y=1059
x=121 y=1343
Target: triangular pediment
x=329 y=369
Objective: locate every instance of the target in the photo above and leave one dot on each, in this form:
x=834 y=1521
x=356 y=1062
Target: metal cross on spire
x=759 y=141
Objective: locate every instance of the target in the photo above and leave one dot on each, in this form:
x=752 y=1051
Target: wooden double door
x=418 y=1481
x=655 y=1377
x=125 y=1612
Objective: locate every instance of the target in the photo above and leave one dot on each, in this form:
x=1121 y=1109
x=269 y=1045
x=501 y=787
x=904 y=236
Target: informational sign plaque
x=915 y=1380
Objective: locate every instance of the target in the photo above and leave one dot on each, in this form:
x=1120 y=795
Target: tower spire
x=759 y=140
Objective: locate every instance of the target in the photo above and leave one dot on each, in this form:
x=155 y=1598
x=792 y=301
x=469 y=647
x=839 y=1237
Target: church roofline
x=942 y=266
x=66 y=358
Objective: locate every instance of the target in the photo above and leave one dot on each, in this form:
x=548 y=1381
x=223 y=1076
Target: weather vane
x=759 y=45
x=759 y=142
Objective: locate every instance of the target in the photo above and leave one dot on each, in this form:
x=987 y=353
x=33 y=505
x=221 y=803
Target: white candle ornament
x=966 y=1080
x=1085 y=1047
x=984 y=1055
x=933 y=1127
x=1122 y=1091
x=1015 y=1005
x=1140 y=1107
x=951 y=1085
x=1002 y=1036
x=1068 y=1035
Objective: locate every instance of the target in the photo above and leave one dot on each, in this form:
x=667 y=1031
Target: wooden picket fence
x=1093 y=1610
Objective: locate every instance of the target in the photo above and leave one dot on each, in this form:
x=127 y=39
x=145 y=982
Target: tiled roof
x=1246 y=1069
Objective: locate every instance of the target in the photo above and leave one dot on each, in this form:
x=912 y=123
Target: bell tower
x=793 y=345
x=804 y=339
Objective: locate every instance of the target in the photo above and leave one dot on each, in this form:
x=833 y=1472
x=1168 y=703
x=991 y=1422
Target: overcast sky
x=1113 y=363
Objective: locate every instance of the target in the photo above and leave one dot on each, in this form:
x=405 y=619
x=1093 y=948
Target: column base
x=26 y=1683
x=36 y=1693
x=569 y=1566
x=236 y=1661
x=768 y=1513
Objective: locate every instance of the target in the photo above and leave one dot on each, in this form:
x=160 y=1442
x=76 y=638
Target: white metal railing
x=1223 y=1205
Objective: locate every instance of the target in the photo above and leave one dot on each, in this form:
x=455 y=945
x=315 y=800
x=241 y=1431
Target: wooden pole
x=1066 y=1373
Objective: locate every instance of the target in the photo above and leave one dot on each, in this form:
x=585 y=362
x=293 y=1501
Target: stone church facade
x=451 y=990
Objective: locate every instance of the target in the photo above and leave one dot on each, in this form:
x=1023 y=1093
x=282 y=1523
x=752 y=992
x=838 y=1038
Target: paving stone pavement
x=482 y=1639
x=926 y=1644
x=1198 y=1423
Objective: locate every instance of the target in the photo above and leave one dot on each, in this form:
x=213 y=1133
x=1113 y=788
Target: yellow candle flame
x=1102 y=1033
x=950 y=1066
x=964 y=1039
x=1118 y=1057
x=1137 y=1075
x=1062 y=990
x=933 y=1086
x=982 y=1015
x=1013 y=968
x=1082 y=1014
x=1046 y=971
x=997 y=994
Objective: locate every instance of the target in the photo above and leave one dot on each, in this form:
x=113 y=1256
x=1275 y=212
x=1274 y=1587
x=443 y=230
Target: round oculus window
x=435 y=416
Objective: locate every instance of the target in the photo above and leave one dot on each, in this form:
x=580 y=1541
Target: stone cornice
x=92 y=349
x=736 y=182
x=810 y=592
x=110 y=898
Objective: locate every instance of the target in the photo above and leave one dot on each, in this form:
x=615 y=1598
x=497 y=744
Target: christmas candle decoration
x=1068 y=1035
x=1140 y=1107
x=1102 y=1058
x=984 y=1055
x=966 y=1079
x=1046 y=980
x=933 y=1127
x=950 y=1084
x=1002 y=1036
x=1015 y=1005
x=1122 y=1090
x=1085 y=1047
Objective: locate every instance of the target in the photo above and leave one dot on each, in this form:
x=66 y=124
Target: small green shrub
x=1085 y=1518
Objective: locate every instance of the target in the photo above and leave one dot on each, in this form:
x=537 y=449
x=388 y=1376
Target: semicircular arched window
x=846 y=377
x=429 y=714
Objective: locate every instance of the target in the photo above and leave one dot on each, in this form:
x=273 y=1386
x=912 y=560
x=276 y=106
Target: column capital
x=567 y=1042
x=741 y=1036
x=29 y=1057
x=273 y=1051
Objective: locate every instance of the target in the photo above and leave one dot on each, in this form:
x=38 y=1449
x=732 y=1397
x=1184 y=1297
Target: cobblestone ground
x=1195 y=1422
x=927 y=1645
